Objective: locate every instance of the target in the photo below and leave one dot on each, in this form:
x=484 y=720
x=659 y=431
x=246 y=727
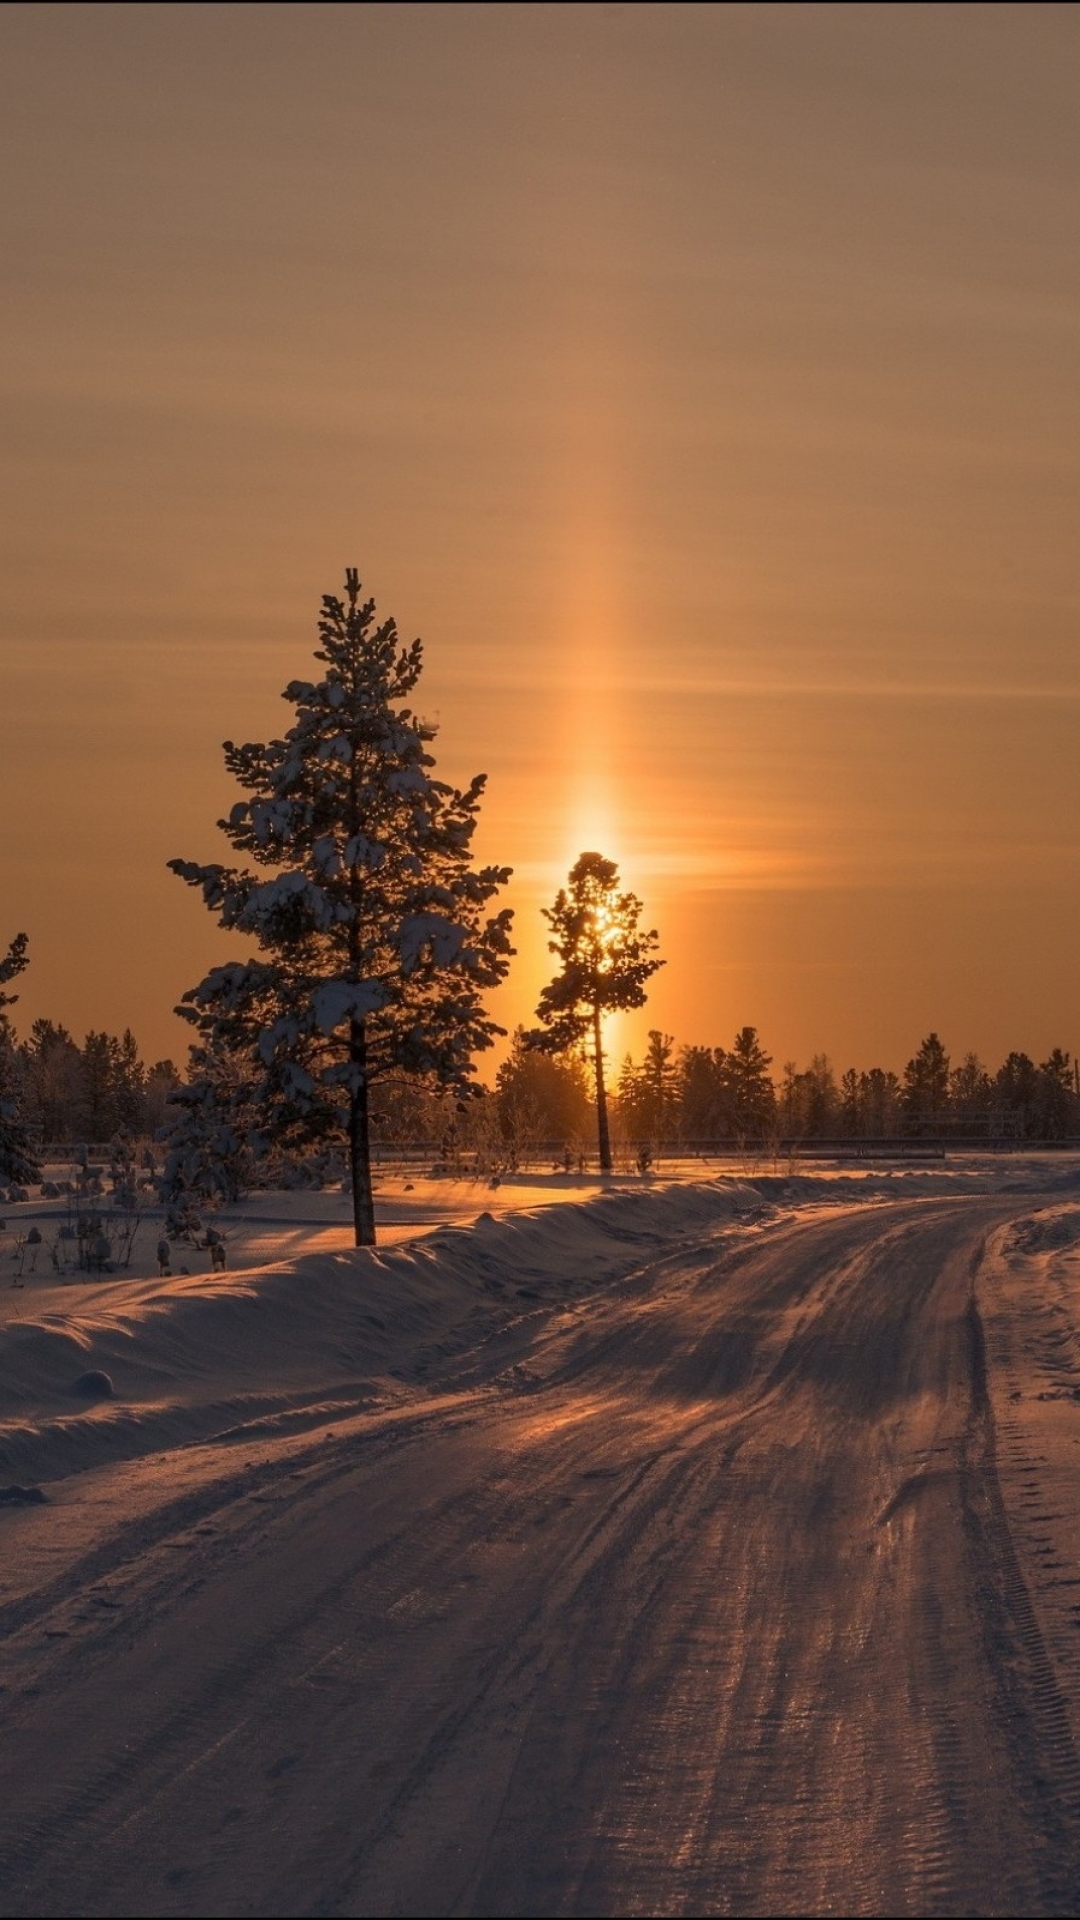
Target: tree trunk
x=601 y=1097
x=359 y=1141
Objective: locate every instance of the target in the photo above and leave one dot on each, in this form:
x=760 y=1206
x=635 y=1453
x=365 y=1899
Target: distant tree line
x=696 y=1094
x=64 y=1092
x=672 y=1096
x=705 y=1093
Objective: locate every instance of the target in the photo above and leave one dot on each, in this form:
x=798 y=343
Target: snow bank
x=189 y=1358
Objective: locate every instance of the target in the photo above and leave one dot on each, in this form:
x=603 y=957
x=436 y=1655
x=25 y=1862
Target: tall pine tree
x=376 y=949
x=606 y=961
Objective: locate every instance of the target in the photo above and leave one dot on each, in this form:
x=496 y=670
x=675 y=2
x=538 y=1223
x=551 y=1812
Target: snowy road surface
x=745 y=1585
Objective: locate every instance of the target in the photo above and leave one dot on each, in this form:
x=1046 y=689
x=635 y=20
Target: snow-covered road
x=743 y=1585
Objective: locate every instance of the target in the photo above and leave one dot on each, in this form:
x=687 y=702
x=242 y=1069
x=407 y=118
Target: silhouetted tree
x=1016 y=1085
x=659 y=1083
x=850 y=1104
x=160 y=1083
x=879 y=1100
x=15 y=961
x=812 y=1106
x=971 y=1095
x=751 y=1096
x=99 y=1115
x=1056 y=1097
x=787 y=1100
x=377 y=951
x=926 y=1087
x=605 y=960
x=129 y=1085
x=53 y=1081
x=815 y=1099
x=649 y=1093
x=18 y=1158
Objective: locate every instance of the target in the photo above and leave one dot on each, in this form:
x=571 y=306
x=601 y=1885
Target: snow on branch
x=336 y=1001
x=433 y=931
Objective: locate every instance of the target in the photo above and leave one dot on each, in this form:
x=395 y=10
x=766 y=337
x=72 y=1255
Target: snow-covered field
x=269 y=1227
x=693 y=1544
x=277 y=1225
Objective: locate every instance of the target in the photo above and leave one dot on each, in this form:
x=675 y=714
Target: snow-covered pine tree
x=212 y=1134
x=18 y=1160
x=376 y=948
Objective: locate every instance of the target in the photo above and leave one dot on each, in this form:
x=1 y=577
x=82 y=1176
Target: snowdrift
x=197 y=1357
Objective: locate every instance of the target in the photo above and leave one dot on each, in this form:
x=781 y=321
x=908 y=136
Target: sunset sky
x=700 y=382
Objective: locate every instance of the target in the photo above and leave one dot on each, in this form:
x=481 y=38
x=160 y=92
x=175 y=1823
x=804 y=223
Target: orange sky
x=700 y=382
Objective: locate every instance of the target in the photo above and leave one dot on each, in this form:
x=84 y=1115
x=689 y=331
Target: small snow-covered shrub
x=183 y=1222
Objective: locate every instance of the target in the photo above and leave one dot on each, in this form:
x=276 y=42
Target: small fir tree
x=649 y=1093
x=750 y=1092
x=659 y=1082
x=605 y=964
x=212 y=1137
x=18 y=1160
x=376 y=950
